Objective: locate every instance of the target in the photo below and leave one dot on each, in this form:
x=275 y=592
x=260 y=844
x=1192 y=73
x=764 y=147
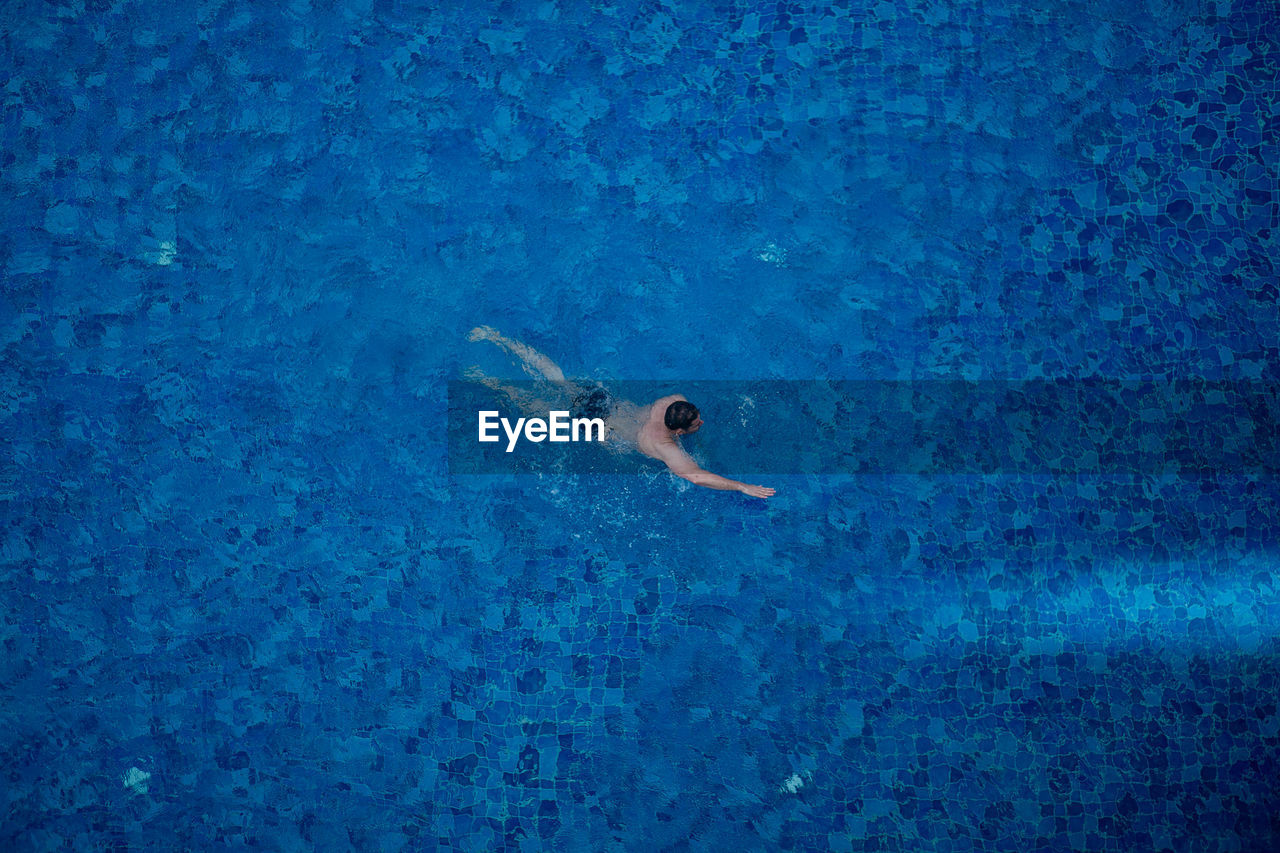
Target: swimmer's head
x=682 y=416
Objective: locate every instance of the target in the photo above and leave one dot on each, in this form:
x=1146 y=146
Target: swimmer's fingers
x=758 y=491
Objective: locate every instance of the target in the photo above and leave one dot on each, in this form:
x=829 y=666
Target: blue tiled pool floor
x=247 y=605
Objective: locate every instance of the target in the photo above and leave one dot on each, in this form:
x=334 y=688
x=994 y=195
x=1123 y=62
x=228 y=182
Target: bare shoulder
x=654 y=439
x=657 y=410
x=671 y=454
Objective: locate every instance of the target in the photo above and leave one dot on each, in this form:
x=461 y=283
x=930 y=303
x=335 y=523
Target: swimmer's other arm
x=683 y=466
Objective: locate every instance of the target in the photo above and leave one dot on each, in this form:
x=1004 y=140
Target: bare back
x=656 y=441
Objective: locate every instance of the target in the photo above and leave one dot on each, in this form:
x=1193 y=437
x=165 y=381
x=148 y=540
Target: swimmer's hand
x=757 y=491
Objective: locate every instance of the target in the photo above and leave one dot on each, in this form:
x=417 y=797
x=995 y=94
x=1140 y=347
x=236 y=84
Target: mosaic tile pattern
x=244 y=605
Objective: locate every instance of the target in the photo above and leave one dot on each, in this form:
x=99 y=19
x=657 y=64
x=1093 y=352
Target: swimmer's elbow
x=694 y=475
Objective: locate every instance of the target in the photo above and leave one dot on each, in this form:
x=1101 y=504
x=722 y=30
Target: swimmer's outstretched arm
x=724 y=484
x=683 y=466
x=533 y=360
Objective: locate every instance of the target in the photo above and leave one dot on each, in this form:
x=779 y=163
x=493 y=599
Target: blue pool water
x=247 y=604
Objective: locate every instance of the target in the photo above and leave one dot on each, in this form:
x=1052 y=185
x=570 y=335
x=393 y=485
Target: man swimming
x=652 y=429
x=672 y=416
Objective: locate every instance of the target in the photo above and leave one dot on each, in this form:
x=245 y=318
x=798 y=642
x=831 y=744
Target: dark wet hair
x=680 y=415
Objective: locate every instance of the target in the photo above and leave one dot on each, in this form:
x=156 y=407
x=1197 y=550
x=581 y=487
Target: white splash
x=794 y=783
x=167 y=252
x=772 y=253
x=136 y=780
x=159 y=251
